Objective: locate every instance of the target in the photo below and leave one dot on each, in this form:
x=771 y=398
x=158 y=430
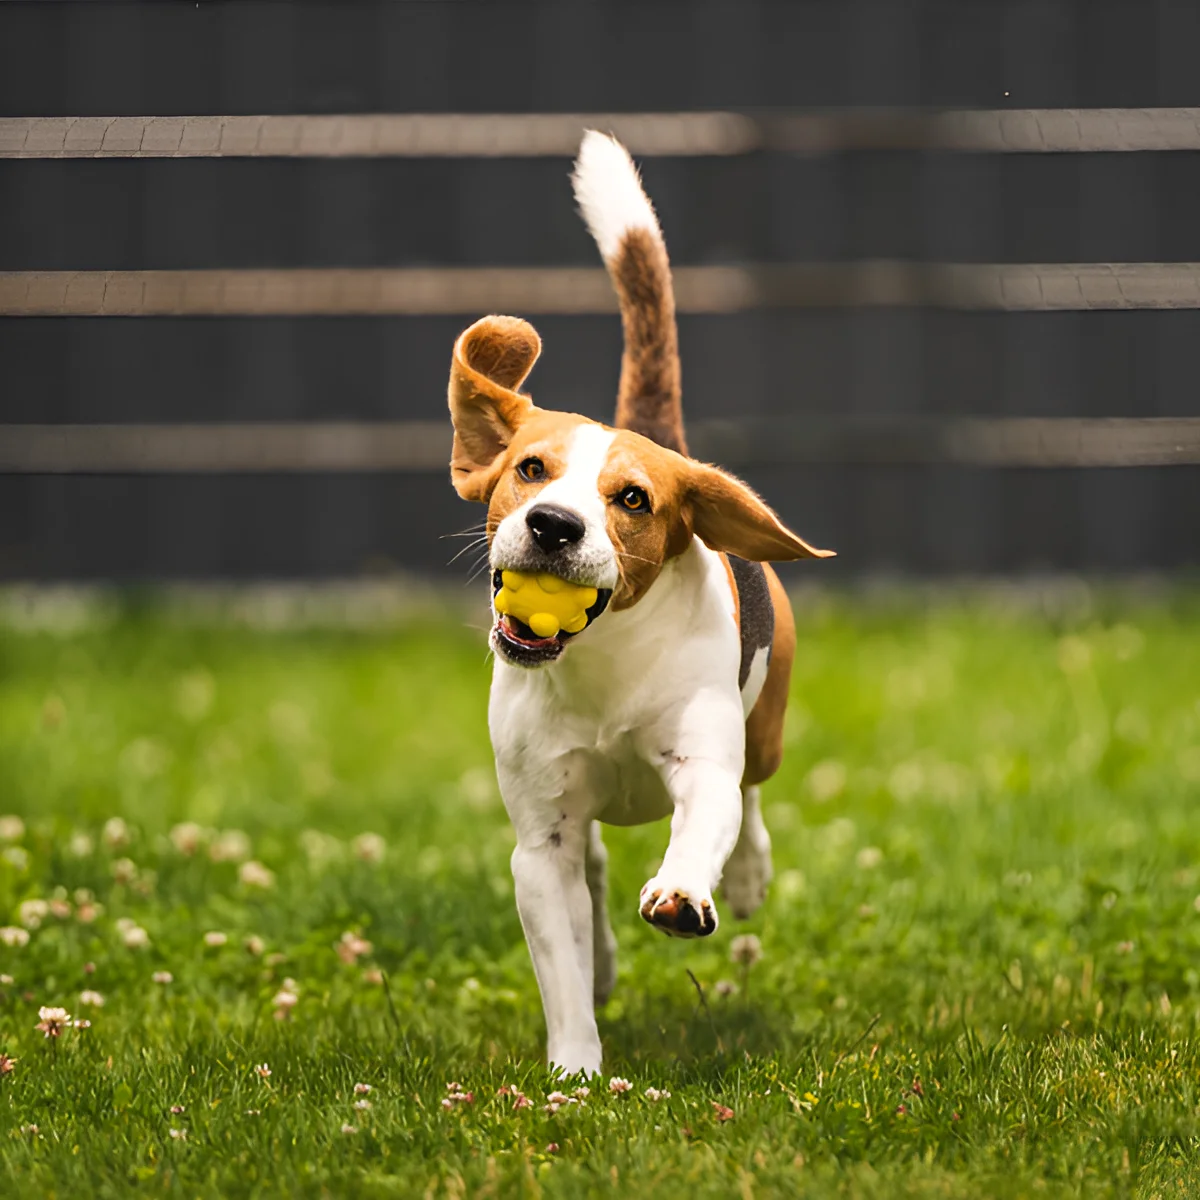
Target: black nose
x=553 y=527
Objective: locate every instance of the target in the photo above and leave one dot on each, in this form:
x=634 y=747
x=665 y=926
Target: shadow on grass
x=677 y=1029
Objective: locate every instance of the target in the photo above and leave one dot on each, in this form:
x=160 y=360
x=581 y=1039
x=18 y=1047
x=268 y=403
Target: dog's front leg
x=555 y=907
x=704 y=828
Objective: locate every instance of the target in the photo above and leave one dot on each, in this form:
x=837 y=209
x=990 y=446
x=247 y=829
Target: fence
x=959 y=338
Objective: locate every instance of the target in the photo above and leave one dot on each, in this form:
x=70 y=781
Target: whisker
x=483 y=566
x=470 y=531
x=636 y=558
x=479 y=541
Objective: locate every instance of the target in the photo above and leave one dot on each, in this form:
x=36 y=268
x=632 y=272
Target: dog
x=670 y=701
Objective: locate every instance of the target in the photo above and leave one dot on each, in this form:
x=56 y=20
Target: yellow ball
x=545 y=603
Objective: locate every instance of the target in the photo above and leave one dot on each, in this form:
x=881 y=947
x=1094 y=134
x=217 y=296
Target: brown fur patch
x=764 y=726
x=737 y=600
x=644 y=541
x=545 y=435
x=491 y=359
x=649 y=400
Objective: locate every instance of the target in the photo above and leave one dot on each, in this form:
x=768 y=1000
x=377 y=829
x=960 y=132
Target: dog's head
x=570 y=497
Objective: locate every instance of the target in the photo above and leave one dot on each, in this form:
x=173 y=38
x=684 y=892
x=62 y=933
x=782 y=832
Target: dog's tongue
x=510 y=627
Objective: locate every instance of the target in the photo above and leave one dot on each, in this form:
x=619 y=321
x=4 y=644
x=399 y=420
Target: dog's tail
x=622 y=221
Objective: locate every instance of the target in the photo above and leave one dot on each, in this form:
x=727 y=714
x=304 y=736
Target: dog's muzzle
x=521 y=646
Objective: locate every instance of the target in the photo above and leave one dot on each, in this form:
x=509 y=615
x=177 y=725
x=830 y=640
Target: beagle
x=670 y=700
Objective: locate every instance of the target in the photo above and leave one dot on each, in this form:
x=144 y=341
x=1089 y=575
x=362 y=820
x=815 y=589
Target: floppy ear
x=491 y=360
x=728 y=516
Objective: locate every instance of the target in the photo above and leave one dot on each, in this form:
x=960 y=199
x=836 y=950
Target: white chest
x=590 y=735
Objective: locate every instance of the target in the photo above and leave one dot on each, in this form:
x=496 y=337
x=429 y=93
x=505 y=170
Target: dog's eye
x=532 y=470
x=634 y=499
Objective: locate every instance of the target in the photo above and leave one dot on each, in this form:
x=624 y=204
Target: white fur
x=609 y=192
x=639 y=719
x=576 y=489
x=760 y=664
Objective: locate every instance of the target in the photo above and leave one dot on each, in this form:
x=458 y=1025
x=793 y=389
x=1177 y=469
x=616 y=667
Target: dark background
x=160 y=58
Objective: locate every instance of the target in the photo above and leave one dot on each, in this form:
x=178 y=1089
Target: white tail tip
x=609 y=192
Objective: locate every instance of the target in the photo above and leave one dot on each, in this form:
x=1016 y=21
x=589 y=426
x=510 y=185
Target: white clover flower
x=254 y=874
x=12 y=829
x=619 y=1086
x=115 y=833
x=350 y=947
x=725 y=987
x=31 y=913
x=654 y=1095
x=180 y=1135
x=80 y=845
x=361 y=1089
x=869 y=857
x=124 y=870
x=187 y=837
x=745 y=949
x=214 y=937
x=230 y=845
x=263 y=1071
x=91 y=999
x=17 y=857
x=254 y=945
x=320 y=848
x=369 y=847
x=10 y=935
x=362 y=1105
x=285 y=999
x=135 y=937
x=53 y=1021
x=163 y=977
x=349 y=1129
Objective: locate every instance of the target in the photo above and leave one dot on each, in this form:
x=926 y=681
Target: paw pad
x=675 y=913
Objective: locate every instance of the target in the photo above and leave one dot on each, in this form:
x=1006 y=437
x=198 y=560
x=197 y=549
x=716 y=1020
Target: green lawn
x=981 y=955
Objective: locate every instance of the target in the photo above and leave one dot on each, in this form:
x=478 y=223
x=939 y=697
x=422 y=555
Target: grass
x=981 y=955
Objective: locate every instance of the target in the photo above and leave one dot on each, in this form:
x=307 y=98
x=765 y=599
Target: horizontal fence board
x=1024 y=287
x=878 y=518
x=405 y=446
x=528 y=135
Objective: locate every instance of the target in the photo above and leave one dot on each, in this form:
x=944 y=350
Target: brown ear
x=728 y=516
x=491 y=360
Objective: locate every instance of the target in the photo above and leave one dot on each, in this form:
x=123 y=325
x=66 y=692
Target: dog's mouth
x=521 y=646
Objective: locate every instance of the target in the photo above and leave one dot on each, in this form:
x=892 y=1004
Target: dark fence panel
x=648 y=55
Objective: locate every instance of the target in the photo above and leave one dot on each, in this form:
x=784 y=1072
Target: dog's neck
x=625 y=650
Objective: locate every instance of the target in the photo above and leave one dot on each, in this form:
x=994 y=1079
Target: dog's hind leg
x=749 y=869
x=604 y=942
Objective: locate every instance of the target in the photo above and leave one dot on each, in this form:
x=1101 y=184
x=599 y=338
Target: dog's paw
x=680 y=911
x=747 y=874
x=574 y=1058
